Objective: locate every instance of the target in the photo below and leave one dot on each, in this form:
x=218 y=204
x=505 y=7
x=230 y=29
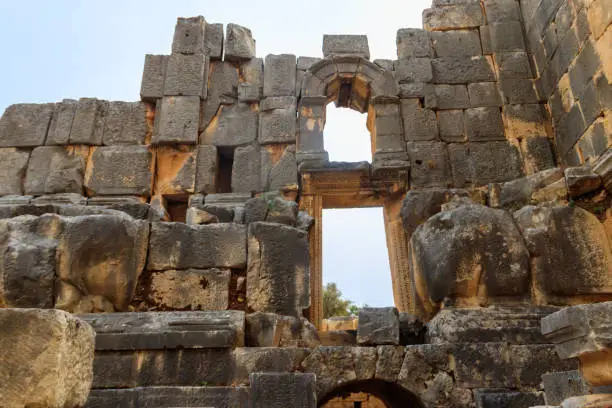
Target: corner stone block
x=13 y=165
x=346 y=45
x=88 y=124
x=61 y=123
x=378 y=326
x=455 y=43
x=53 y=350
x=279 y=75
x=278 y=167
x=239 y=43
x=181 y=246
x=234 y=125
x=187 y=75
x=206 y=169
x=175 y=170
x=189 y=36
x=413 y=42
x=125 y=124
x=56 y=169
x=179 y=120
x=279 y=390
x=452 y=17
x=120 y=170
x=214 y=41
x=278 y=272
x=25 y=125
x=246 y=170
x=153 y=74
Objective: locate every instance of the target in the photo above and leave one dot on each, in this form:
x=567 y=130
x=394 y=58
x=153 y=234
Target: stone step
x=165 y=397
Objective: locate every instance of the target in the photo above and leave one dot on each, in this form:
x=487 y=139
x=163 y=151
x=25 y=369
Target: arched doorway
x=370 y=394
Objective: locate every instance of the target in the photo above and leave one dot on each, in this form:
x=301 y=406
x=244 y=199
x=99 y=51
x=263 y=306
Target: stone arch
x=391 y=394
x=351 y=82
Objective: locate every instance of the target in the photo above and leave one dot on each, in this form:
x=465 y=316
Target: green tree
x=334 y=304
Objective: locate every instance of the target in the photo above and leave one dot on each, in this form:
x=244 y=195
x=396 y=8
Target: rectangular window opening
x=225 y=162
x=176 y=206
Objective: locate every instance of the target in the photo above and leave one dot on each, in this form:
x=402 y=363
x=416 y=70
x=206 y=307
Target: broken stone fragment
x=175 y=170
x=195 y=216
x=239 y=43
x=378 y=326
x=346 y=45
x=272 y=330
x=189 y=36
x=278 y=167
x=214 y=40
x=581 y=180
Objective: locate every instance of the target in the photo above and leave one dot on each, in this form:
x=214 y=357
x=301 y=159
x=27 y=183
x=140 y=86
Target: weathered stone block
x=223 y=89
x=153 y=74
x=278 y=125
x=537 y=154
x=54 y=170
x=484 y=124
x=562 y=385
x=88 y=123
x=413 y=42
x=239 y=43
x=251 y=88
x=378 y=326
x=456 y=43
x=484 y=94
x=507 y=36
x=413 y=70
x=234 y=125
x=454 y=70
x=510 y=399
x=523 y=121
x=175 y=170
x=453 y=17
x=502 y=10
x=513 y=65
x=419 y=124
x=279 y=75
x=119 y=170
x=189 y=36
x=448 y=97
x=206 y=169
x=180 y=246
x=581 y=180
x=25 y=125
x=570 y=244
x=485 y=40
x=178 y=121
x=483 y=365
x=214 y=41
x=125 y=123
x=278 y=269
x=451 y=126
x=428 y=164
x=275 y=390
x=186 y=75
x=494 y=162
x=61 y=123
x=346 y=44
x=272 y=330
x=278 y=167
x=13 y=165
x=53 y=350
x=246 y=171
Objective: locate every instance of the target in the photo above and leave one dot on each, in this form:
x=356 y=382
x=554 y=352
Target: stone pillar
x=310 y=127
x=313 y=205
x=388 y=145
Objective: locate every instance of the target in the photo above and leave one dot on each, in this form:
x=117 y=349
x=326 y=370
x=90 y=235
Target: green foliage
x=334 y=304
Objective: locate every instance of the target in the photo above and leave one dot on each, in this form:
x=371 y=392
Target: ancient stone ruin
x=186 y=229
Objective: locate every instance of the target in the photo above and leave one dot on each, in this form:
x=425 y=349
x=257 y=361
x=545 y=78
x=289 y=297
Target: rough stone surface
x=239 y=43
x=88 y=123
x=413 y=42
x=13 y=165
x=153 y=74
x=214 y=41
x=47 y=358
x=61 y=123
x=378 y=326
x=56 y=170
x=25 y=125
x=125 y=124
x=346 y=45
x=273 y=390
x=272 y=330
x=189 y=36
x=279 y=75
x=233 y=125
x=186 y=75
x=178 y=121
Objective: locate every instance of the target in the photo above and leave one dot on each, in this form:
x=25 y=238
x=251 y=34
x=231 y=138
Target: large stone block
x=378 y=326
x=25 y=125
x=186 y=75
x=153 y=74
x=413 y=70
x=120 y=170
x=452 y=17
x=507 y=36
x=61 y=123
x=413 y=42
x=447 y=97
x=272 y=330
x=206 y=169
x=178 y=121
x=513 y=65
x=246 y=171
x=278 y=167
x=346 y=45
x=175 y=170
x=214 y=41
x=570 y=250
x=47 y=358
x=494 y=162
x=562 y=385
x=88 y=123
x=13 y=165
x=455 y=70
x=239 y=43
x=250 y=88
x=278 y=124
x=429 y=164
x=484 y=124
x=180 y=246
x=510 y=399
x=279 y=75
x=53 y=170
x=189 y=36
x=502 y=10
x=458 y=251
x=419 y=124
x=125 y=123
x=451 y=126
x=278 y=269
x=233 y=125
x=484 y=94
x=456 y=43
x=276 y=390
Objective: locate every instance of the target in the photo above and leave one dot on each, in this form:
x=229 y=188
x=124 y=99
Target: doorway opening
x=346 y=136
x=370 y=394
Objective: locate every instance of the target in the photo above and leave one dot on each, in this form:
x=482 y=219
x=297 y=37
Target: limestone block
x=485 y=40
x=493 y=399
x=447 y=97
x=346 y=45
x=13 y=165
x=378 y=326
x=153 y=74
x=187 y=75
x=169 y=396
x=125 y=123
x=56 y=169
x=47 y=358
x=88 y=123
x=223 y=84
x=196 y=216
x=178 y=121
x=175 y=170
x=206 y=169
x=413 y=70
x=502 y=10
x=459 y=70
x=480 y=365
x=234 y=125
x=523 y=121
x=276 y=390
x=61 y=123
x=451 y=126
x=214 y=41
x=272 y=330
x=456 y=43
x=518 y=91
x=579 y=259
x=190 y=289
x=278 y=269
x=120 y=170
x=277 y=125
x=484 y=94
x=180 y=246
x=513 y=65
x=581 y=180
x=494 y=162
x=250 y=88
x=279 y=75
x=246 y=171
x=429 y=164
x=25 y=125
x=453 y=17
x=468 y=249
x=484 y=124
x=537 y=154
x=507 y=36
x=239 y=43
x=413 y=42
x=189 y=36
x=419 y=124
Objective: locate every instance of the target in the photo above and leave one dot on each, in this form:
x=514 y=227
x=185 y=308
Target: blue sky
x=59 y=49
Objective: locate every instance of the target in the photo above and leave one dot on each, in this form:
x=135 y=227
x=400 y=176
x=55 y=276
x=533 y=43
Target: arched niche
x=392 y=395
